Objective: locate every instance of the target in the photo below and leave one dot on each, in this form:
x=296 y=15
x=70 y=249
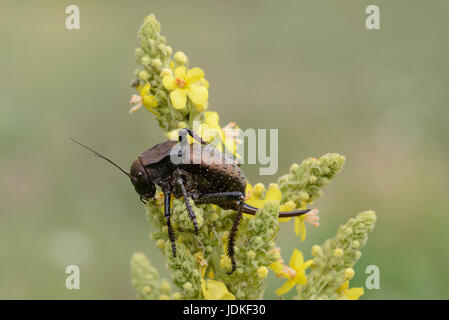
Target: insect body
x=204 y=175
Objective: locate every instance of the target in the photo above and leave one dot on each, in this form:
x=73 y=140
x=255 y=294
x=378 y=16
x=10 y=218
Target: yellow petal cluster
x=186 y=83
x=295 y=272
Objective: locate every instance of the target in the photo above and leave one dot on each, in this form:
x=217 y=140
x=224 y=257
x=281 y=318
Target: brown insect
x=197 y=172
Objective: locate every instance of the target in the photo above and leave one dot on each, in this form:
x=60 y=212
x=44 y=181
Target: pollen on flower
x=289 y=271
x=180 y=82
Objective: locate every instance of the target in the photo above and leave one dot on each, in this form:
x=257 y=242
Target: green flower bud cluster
x=335 y=259
x=146 y=280
x=254 y=247
x=304 y=182
x=155 y=58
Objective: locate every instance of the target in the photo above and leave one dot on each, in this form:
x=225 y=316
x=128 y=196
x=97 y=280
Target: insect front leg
x=171 y=233
x=189 y=207
x=186 y=131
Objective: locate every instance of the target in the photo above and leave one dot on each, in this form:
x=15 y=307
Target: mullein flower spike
x=177 y=95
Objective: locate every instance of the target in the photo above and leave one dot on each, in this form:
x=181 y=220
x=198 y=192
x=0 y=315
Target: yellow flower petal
x=194 y=75
x=300 y=277
x=300 y=227
x=286 y=287
x=343 y=287
x=249 y=189
x=273 y=193
x=180 y=72
x=216 y=290
x=145 y=90
x=354 y=293
x=228 y=296
x=173 y=135
x=255 y=202
x=178 y=98
x=296 y=259
x=169 y=82
x=288 y=206
x=198 y=94
x=284 y=220
x=212 y=119
x=277 y=267
x=308 y=263
x=149 y=101
x=204 y=83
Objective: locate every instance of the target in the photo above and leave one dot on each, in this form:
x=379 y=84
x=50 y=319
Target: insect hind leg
x=233 y=199
x=220 y=197
x=233 y=234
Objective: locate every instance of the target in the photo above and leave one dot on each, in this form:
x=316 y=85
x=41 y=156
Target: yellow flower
x=144 y=99
x=350 y=294
x=215 y=290
x=185 y=84
x=295 y=273
x=255 y=197
x=211 y=131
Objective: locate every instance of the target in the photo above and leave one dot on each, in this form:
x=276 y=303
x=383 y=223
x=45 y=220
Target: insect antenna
x=103 y=157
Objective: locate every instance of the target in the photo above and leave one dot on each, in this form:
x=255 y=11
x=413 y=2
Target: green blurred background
x=309 y=68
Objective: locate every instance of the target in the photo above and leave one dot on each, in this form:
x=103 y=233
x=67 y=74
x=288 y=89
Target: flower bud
x=294 y=167
x=177 y=296
x=187 y=286
x=303 y=196
x=144 y=75
x=160 y=244
x=180 y=57
x=251 y=254
x=349 y=273
x=338 y=253
x=156 y=63
x=225 y=262
x=169 y=50
x=146 y=60
x=258 y=189
x=138 y=52
x=317 y=251
x=166 y=72
x=165 y=286
x=262 y=272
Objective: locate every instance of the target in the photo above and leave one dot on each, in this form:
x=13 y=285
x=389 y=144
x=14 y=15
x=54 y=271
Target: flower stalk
x=176 y=95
